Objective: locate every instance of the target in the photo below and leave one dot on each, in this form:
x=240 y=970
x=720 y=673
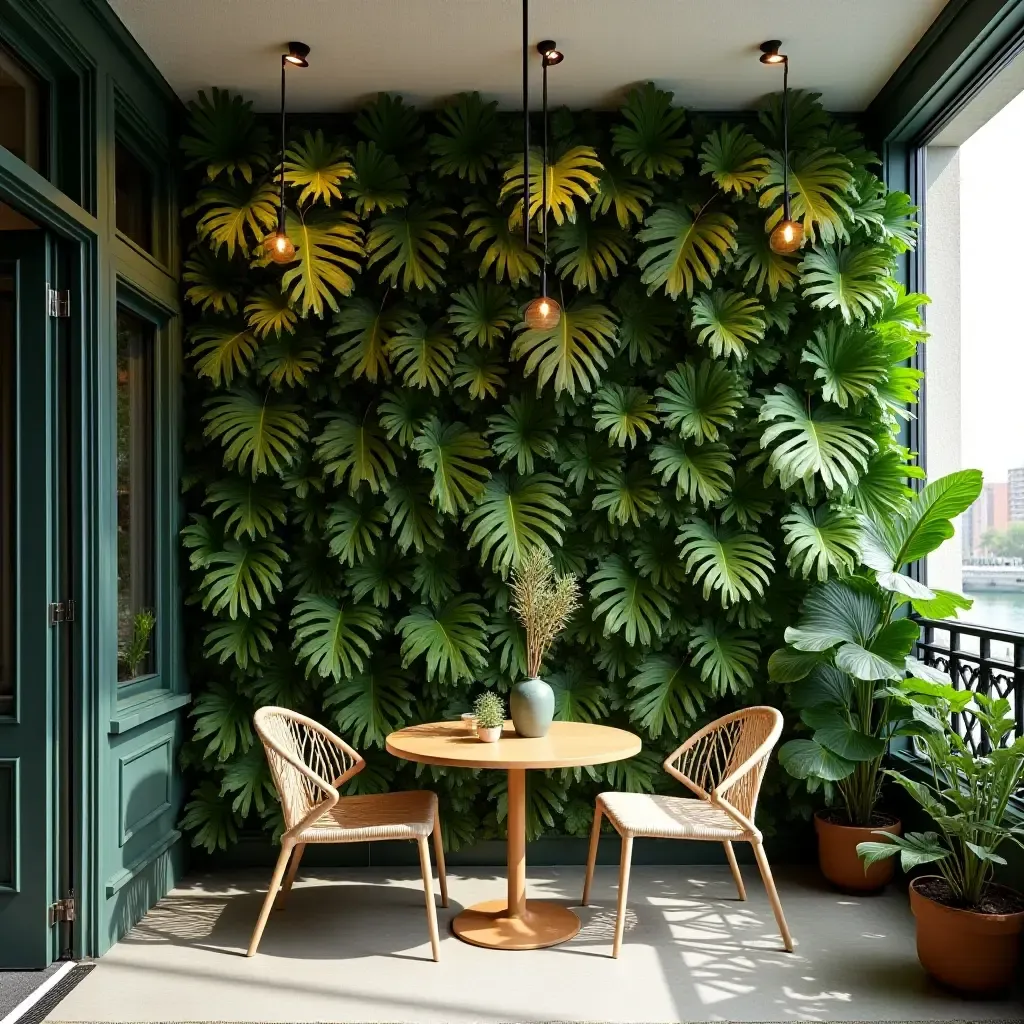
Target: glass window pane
x=133 y=182
x=135 y=453
x=22 y=112
x=7 y=479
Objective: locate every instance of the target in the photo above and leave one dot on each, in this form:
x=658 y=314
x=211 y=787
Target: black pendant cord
x=526 y=122
x=280 y=210
x=785 y=139
x=544 y=184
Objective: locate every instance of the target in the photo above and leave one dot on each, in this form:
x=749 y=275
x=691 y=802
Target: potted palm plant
x=968 y=927
x=853 y=679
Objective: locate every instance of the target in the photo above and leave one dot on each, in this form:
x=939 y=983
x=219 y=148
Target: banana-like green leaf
x=885 y=654
x=729 y=322
x=628 y=602
x=590 y=253
x=414 y=241
x=356 y=452
x=652 y=143
x=243 y=576
x=453 y=639
x=379 y=184
x=522 y=430
x=227 y=137
x=257 y=432
x=270 y=310
x=665 y=695
x=833 y=614
x=700 y=401
x=855 y=279
x=821 y=541
x=504 y=249
x=471 y=141
x=850 y=362
x=820 y=184
x=625 y=413
x=735 y=159
x=220 y=350
x=454 y=454
x=326 y=244
x=623 y=194
x=701 y=472
x=571 y=178
x=251 y=507
x=807 y=759
x=424 y=355
x=684 y=249
x=333 y=639
x=367 y=329
x=317 y=166
x=727 y=657
x=482 y=313
x=371 y=704
x=732 y=564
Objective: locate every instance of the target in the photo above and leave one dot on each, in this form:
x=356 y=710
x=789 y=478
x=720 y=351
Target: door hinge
x=58 y=303
x=60 y=611
x=64 y=910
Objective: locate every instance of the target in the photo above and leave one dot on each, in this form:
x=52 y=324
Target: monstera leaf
x=628 y=602
x=454 y=454
x=331 y=638
x=727 y=657
x=402 y=414
x=228 y=139
x=524 y=429
x=701 y=472
x=213 y=280
x=821 y=541
x=579 y=694
x=801 y=112
x=245 y=641
x=628 y=495
x=289 y=360
x=732 y=564
x=251 y=507
x=355 y=451
x=371 y=704
x=506 y=250
x=699 y=401
x=735 y=159
x=414 y=522
x=644 y=324
x=625 y=413
x=591 y=252
x=684 y=248
x=236 y=216
x=516 y=515
x=258 y=433
x=571 y=178
x=849 y=362
x=585 y=458
x=665 y=695
x=326 y=243
x=882 y=489
x=819 y=444
x=764 y=267
x=652 y=143
x=415 y=242
x=423 y=355
x=390 y=123
x=729 y=322
x=573 y=353
x=453 y=639
x=317 y=167
x=482 y=372
x=623 y=194
x=482 y=313
x=855 y=279
x=819 y=184
x=353 y=529
x=896 y=226
x=248 y=572
x=367 y=329
x=381 y=576
x=221 y=350
x=270 y=310
x=471 y=141
x=379 y=184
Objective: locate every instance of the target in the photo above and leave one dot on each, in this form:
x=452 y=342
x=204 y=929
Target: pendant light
x=542 y=313
x=278 y=246
x=788 y=234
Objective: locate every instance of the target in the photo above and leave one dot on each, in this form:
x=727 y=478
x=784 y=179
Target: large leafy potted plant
x=968 y=928
x=847 y=659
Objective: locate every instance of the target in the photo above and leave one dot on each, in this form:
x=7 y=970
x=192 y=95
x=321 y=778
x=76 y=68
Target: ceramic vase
x=533 y=707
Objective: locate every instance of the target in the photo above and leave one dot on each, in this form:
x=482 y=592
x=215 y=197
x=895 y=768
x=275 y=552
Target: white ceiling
x=704 y=50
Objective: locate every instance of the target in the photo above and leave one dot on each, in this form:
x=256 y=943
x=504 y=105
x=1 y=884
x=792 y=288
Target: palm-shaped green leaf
x=579 y=695
x=333 y=639
x=353 y=529
x=652 y=143
x=270 y=310
x=247 y=780
x=506 y=250
x=434 y=576
x=224 y=717
x=402 y=414
x=734 y=158
x=586 y=458
x=811 y=444
x=729 y=322
x=591 y=252
x=683 y=249
x=808 y=121
x=849 y=361
x=414 y=521
x=252 y=507
x=643 y=327
x=326 y=242
x=882 y=488
x=573 y=353
x=381 y=576
x=699 y=401
x=453 y=639
x=414 y=241
x=247 y=573
x=702 y=472
x=516 y=515
x=471 y=141
x=317 y=166
x=819 y=182
x=627 y=601
x=379 y=184
x=355 y=451
x=424 y=355
x=482 y=313
x=625 y=413
x=245 y=641
x=571 y=177
x=896 y=225
x=623 y=194
x=628 y=495
x=665 y=695
x=221 y=350
x=390 y=123
x=371 y=704
x=367 y=329
x=257 y=432
x=289 y=359
x=454 y=454
x=522 y=430
x=733 y=564
x=765 y=268
x=727 y=657
x=855 y=279
x=481 y=371
x=821 y=541
x=238 y=215
x=228 y=139
x=213 y=280
x=211 y=818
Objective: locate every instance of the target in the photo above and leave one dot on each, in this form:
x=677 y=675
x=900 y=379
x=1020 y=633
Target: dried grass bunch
x=543 y=602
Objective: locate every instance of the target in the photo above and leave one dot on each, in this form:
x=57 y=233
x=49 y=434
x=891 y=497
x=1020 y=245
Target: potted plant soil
x=968 y=927
x=847 y=661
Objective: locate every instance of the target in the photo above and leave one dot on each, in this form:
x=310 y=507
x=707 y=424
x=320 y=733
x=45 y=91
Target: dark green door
x=34 y=606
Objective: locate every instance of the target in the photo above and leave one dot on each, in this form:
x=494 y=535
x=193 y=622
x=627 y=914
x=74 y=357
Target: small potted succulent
x=490 y=716
x=968 y=927
x=543 y=602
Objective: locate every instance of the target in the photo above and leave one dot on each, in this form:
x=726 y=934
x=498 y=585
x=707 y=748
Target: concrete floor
x=353 y=946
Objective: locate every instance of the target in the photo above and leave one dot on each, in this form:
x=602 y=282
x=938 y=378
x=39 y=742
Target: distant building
x=992 y=511
x=1016 y=499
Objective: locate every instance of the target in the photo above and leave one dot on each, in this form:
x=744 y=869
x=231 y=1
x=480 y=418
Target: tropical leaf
x=896 y=226
x=210 y=818
x=591 y=252
x=471 y=141
x=733 y=564
x=402 y=414
x=727 y=657
x=220 y=350
x=390 y=123
x=213 y=280
x=257 y=433
x=571 y=178
x=806 y=119
x=454 y=454
x=765 y=268
x=623 y=194
x=481 y=371
x=523 y=429
x=573 y=353
x=247 y=780
x=353 y=529
x=643 y=325
x=270 y=310
x=289 y=359
x=683 y=248
x=423 y=355
x=819 y=186
x=729 y=322
x=506 y=250
x=245 y=641
x=482 y=313
x=453 y=639
x=367 y=329
x=228 y=139
x=415 y=242
x=665 y=696
x=379 y=184
x=331 y=638
x=356 y=452
x=586 y=458
x=821 y=541
x=701 y=471
x=628 y=602
x=317 y=166
x=371 y=704
x=326 y=244
x=700 y=401
x=625 y=413
x=235 y=216
x=579 y=695
x=652 y=143
x=381 y=576
x=414 y=522
x=242 y=576
x=850 y=362
x=735 y=160
x=882 y=489
x=627 y=495
x=855 y=279
x=251 y=507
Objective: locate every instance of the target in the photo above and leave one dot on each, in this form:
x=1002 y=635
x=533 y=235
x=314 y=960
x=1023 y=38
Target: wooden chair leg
x=442 y=875
x=428 y=890
x=620 y=918
x=595 y=836
x=730 y=854
x=773 y=896
x=293 y=869
x=268 y=902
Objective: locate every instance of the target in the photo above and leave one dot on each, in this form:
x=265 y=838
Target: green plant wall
x=375 y=438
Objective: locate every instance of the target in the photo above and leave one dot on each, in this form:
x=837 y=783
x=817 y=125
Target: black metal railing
x=988 y=661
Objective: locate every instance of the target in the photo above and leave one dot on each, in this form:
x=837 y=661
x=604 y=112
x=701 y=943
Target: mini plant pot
x=837 y=854
x=532 y=703
x=965 y=949
x=488 y=734
x=469 y=721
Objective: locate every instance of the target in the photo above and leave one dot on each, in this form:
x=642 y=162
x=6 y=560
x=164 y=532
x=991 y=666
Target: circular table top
x=567 y=745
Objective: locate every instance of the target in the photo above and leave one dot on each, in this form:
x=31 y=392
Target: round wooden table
x=515 y=922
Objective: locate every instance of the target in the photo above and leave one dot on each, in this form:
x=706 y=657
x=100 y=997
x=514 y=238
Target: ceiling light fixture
x=543 y=313
x=278 y=246
x=788 y=234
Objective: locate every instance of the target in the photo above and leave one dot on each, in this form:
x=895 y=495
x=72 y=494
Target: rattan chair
x=309 y=764
x=723 y=765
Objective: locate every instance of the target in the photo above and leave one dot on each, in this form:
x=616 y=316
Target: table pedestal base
x=490 y=924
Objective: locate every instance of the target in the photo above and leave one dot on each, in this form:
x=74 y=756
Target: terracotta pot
x=837 y=855
x=964 y=949
x=488 y=734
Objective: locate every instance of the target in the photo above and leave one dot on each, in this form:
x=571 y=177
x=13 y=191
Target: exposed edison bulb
x=787 y=237
x=279 y=247
x=542 y=314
